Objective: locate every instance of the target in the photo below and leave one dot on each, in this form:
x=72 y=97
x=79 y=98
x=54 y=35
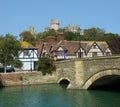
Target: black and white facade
x=29 y=57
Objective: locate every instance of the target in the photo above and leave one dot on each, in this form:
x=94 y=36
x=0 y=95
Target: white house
x=28 y=56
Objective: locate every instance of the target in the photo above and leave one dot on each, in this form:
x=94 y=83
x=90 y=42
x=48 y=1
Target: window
x=26 y=52
x=107 y=53
x=45 y=54
x=94 y=46
x=59 y=53
x=80 y=54
x=94 y=54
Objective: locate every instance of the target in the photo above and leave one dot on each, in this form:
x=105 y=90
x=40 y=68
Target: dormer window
x=26 y=52
x=94 y=54
x=94 y=46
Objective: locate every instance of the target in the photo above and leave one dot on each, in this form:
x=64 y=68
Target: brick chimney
x=51 y=39
x=60 y=36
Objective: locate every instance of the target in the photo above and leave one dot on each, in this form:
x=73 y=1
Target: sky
x=17 y=15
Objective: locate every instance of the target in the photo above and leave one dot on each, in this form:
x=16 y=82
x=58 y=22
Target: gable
x=107 y=50
x=60 y=48
x=94 y=48
x=28 y=53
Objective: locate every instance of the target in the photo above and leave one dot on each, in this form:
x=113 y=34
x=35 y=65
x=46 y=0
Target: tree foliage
x=115 y=45
x=95 y=34
x=46 y=65
x=70 y=35
x=9 y=49
x=27 y=36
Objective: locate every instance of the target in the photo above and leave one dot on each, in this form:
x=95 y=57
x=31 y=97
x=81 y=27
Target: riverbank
x=26 y=78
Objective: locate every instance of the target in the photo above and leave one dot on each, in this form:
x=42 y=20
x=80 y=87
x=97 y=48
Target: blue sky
x=17 y=15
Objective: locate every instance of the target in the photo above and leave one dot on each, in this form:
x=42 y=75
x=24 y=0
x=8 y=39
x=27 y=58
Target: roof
x=27 y=45
x=72 y=46
x=103 y=46
x=39 y=46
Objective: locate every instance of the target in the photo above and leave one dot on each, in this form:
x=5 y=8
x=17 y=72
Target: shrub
x=46 y=65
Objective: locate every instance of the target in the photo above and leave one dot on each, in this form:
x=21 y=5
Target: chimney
x=60 y=36
x=51 y=39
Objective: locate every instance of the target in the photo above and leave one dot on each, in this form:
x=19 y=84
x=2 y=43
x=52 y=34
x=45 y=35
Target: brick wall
x=10 y=79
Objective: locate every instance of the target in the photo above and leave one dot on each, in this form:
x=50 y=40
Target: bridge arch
x=99 y=75
x=64 y=81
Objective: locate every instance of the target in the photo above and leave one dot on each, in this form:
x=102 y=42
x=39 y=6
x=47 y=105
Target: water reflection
x=55 y=96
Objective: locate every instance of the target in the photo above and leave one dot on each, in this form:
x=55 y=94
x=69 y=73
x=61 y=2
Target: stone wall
x=37 y=78
x=90 y=69
x=80 y=72
x=10 y=79
x=96 y=65
x=26 y=78
x=66 y=71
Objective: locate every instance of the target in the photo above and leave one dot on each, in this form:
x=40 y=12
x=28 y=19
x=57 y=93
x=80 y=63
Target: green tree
x=44 y=35
x=94 y=34
x=110 y=36
x=45 y=65
x=27 y=36
x=40 y=36
x=9 y=49
x=70 y=36
x=112 y=40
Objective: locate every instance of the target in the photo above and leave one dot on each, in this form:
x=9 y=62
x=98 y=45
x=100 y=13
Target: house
x=28 y=56
x=98 y=49
x=73 y=49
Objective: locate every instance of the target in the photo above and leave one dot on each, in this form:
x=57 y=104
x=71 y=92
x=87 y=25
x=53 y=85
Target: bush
x=46 y=65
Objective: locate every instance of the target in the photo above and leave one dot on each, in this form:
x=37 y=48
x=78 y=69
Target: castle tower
x=54 y=24
x=31 y=29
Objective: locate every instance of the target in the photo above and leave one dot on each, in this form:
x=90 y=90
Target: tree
x=70 y=36
x=9 y=49
x=46 y=65
x=95 y=34
x=40 y=36
x=115 y=45
x=27 y=36
x=110 y=36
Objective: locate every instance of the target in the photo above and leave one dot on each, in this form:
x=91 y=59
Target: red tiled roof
x=71 y=46
x=39 y=46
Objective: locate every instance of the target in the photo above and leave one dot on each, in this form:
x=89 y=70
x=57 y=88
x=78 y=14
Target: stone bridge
x=77 y=73
x=82 y=73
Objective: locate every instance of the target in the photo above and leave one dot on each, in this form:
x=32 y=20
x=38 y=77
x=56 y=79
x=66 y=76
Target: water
x=54 y=95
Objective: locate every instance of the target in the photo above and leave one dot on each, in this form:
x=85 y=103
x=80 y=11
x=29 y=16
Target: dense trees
x=92 y=34
x=9 y=49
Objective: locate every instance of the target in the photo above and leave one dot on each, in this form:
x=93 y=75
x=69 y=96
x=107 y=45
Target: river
x=53 y=95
